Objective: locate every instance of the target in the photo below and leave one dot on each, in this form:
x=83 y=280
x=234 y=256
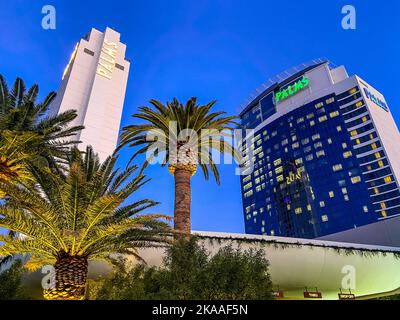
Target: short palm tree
x=199 y=132
x=67 y=219
x=21 y=114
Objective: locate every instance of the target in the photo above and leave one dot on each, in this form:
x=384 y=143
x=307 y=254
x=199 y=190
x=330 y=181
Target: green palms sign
x=292 y=89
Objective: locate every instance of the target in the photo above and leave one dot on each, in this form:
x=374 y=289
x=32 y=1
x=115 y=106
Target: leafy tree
x=28 y=133
x=189 y=273
x=11 y=282
x=198 y=132
x=68 y=218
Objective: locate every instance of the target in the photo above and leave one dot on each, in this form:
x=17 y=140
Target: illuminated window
x=263 y=222
x=312 y=123
x=272 y=232
x=347 y=154
x=377 y=155
x=310 y=115
x=353 y=90
x=294 y=138
x=316 y=136
x=331 y=194
x=371 y=136
x=346 y=197
x=320 y=153
x=330 y=100
x=247 y=178
x=334 y=114
x=344 y=190
x=337 y=167
x=388 y=179
x=355 y=180
x=299 y=161
x=309 y=157
x=365 y=208
x=305 y=141
x=380 y=164
x=324 y=218
x=322 y=118
x=300 y=120
x=383 y=205
x=247 y=186
x=248 y=194
x=344 y=145
x=262 y=229
x=329 y=140
x=353 y=133
x=277 y=162
x=359 y=104
x=339 y=128
x=258 y=188
x=358 y=141
x=298 y=210
x=319 y=105
x=369 y=168
x=376 y=190
x=309 y=207
x=318 y=145
x=295 y=145
x=279 y=170
x=373 y=146
x=322 y=204
x=383 y=213
x=279 y=178
x=364 y=119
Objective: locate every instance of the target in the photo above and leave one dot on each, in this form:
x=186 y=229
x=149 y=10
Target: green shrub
x=11 y=287
x=189 y=272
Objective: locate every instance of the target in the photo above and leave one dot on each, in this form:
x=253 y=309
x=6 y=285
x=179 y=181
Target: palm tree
x=66 y=219
x=199 y=132
x=20 y=114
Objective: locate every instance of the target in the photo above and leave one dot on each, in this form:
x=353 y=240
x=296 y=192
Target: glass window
x=347 y=154
x=365 y=208
x=324 y=218
x=322 y=204
x=337 y=167
x=320 y=153
x=298 y=210
x=316 y=136
x=355 y=180
x=388 y=179
x=331 y=194
x=322 y=118
x=312 y=123
x=334 y=114
x=339 y=128
x=277 y=162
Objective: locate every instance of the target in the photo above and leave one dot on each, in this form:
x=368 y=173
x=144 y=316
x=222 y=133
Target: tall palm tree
x=20 y=113
x=199 y=132
x=67 y=219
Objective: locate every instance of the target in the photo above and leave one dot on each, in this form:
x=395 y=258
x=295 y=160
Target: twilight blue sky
x=220 y=49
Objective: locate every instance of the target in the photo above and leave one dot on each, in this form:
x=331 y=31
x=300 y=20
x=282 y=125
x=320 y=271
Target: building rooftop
x=280 y=80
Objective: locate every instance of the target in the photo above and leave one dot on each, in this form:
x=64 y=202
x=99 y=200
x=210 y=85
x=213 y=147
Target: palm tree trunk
x=71 y=275
x=182 y=202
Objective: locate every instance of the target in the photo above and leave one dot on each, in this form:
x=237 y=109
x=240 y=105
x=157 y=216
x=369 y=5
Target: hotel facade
x=94 y=84
x=325 y=158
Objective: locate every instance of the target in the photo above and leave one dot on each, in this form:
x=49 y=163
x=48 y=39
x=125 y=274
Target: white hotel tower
x=94 y=84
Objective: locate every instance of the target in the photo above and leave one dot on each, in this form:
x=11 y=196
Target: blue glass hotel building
x=325 y=156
